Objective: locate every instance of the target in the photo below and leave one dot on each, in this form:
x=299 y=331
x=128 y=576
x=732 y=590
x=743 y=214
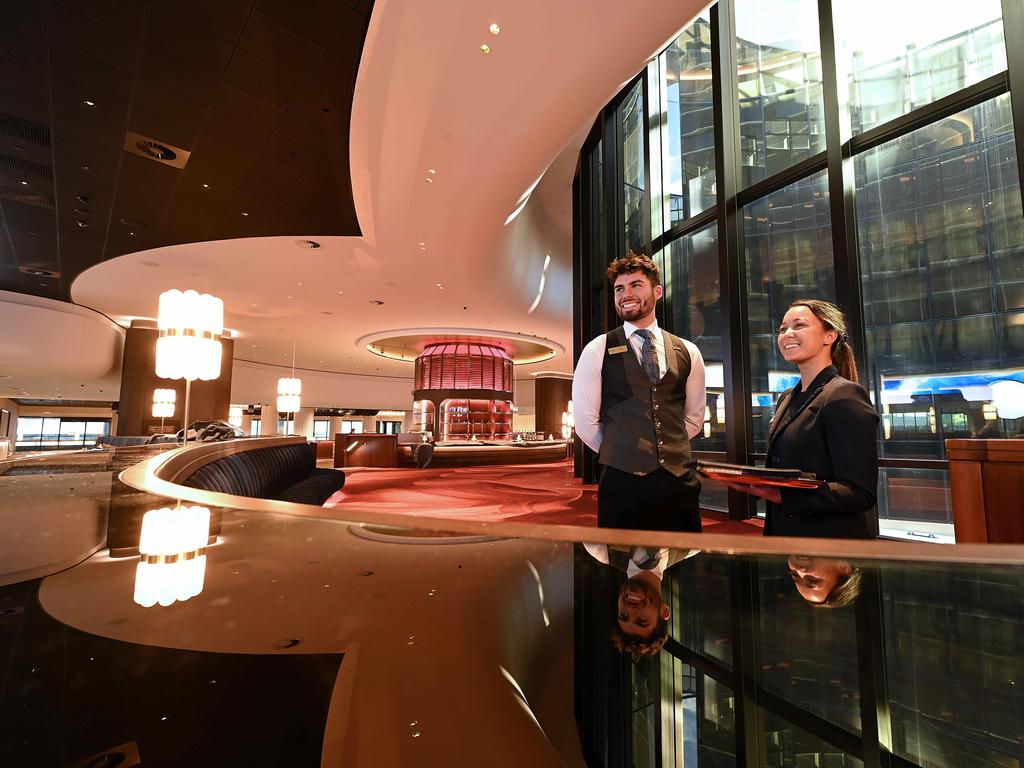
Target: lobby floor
x=534 y=493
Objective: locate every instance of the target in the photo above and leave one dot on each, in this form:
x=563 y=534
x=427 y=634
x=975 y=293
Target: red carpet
x=534 y=493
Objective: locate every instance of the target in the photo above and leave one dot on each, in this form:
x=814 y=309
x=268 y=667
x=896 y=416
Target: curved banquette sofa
x=283 y=472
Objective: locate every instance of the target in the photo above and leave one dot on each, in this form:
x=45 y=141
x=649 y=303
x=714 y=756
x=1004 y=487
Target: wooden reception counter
x=365 y=449
x=986 y=482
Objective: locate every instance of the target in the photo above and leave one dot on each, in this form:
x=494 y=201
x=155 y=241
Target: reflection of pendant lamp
x=189 y=345
x=1008 y=398
x=163 y=404
x=172 y=549
x=289 y=393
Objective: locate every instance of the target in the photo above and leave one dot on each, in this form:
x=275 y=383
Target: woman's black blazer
x=833 y=434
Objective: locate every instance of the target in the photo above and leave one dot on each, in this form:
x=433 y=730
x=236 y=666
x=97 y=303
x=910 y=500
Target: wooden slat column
x=986 y=481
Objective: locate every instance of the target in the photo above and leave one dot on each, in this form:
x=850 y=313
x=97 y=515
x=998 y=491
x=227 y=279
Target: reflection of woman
x=825 y=425
x=825 y=582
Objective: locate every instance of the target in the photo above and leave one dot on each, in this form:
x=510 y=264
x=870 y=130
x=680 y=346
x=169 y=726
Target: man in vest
x=638 y=396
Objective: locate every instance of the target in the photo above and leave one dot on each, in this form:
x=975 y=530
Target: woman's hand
x=767 y=492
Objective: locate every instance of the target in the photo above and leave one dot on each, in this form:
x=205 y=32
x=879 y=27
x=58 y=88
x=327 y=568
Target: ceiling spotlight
x=206 y=186
x=485 y=48
x=431 y=171
x=429 y=180
x=495 y=29
x=24 y=183
x=244 y=213
x=83 y=224
x=88 y=103
x=376 y=302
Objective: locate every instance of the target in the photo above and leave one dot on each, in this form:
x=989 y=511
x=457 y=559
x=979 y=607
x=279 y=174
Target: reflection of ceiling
x=257 y=95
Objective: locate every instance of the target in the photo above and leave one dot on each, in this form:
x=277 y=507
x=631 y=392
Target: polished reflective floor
x=311 y=637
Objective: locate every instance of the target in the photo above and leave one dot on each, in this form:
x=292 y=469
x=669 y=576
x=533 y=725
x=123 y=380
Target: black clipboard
x=762 y=476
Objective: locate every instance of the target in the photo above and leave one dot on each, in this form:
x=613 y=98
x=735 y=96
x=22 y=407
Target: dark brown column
x=210 y=399
x=551 y=398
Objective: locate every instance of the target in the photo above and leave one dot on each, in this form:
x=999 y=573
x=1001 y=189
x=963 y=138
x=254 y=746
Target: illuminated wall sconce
x=188 y=347
x=172 y=549
x=235 y=415
x=163 y=403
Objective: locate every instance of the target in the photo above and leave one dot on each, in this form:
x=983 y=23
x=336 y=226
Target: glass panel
x=72 y=434
x=632 y=125
x=691 y=277
x=809 y=656
x=94 y=429
x=254 y=430
x=953 y=674
x=700 y=598
x=942 y=262
x=787 y=745
x=688 y=140
x=782 y=116
x=702 y=727
x=788 y=241
x=921 y=52
x=30 y=432
x=918 y=496
x=51 y=433
x=320 y=429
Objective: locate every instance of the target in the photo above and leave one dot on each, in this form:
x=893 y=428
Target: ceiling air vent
x=38 y=272
x=307 y=244
x=25 y=130
x=161 y=152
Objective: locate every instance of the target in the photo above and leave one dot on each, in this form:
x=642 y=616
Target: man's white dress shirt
x=586 y=384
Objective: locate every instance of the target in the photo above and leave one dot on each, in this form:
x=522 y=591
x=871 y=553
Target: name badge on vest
x=617 y=350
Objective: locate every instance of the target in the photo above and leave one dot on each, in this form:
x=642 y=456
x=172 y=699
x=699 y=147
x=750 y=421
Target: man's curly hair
x=632 y=262
x=639 y=646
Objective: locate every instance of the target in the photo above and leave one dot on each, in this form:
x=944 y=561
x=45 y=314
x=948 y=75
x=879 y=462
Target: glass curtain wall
x=910 y=219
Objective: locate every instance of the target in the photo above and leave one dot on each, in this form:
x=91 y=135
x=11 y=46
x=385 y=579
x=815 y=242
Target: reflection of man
x=639 y=397
x=825 y=582
x=641 y=627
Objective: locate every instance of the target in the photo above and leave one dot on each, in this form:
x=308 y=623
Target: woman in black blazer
x=825 y=425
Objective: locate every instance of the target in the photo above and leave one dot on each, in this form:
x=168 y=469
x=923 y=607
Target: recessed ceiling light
x=377 y=302
x=206 y=186
x=340 y=292
x=310 y=244
x=24 y=183
x=431 y=171
x=495 y=29
x=83 y=224
x=88 y=103
x=244 y=213
x=485 y=48
x=429 y=180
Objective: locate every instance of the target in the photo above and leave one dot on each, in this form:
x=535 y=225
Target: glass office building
x=860 y=153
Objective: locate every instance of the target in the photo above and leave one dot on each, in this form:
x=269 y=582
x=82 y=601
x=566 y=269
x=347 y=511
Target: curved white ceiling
x=489 y=126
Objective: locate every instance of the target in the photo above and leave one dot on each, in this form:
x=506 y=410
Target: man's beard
x=644 y=309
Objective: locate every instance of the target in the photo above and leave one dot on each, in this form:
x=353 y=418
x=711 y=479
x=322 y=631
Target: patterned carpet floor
x=534 y=493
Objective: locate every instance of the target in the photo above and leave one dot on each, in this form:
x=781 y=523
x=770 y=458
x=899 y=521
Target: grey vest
x=644 y=424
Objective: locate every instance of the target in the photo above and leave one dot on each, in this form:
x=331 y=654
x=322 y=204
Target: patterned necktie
x=649 y=356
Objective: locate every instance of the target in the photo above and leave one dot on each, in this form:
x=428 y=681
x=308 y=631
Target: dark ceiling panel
x=260 y=97
x=223 y=18
x=110 y=41
x=271 y=60
x=319 y=20
x=21 y=34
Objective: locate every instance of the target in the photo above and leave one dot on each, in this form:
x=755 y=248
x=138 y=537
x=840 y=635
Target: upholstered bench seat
x=282 y=472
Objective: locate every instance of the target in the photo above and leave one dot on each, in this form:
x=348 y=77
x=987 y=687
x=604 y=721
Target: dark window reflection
x=789 y=256
x=942 y=258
